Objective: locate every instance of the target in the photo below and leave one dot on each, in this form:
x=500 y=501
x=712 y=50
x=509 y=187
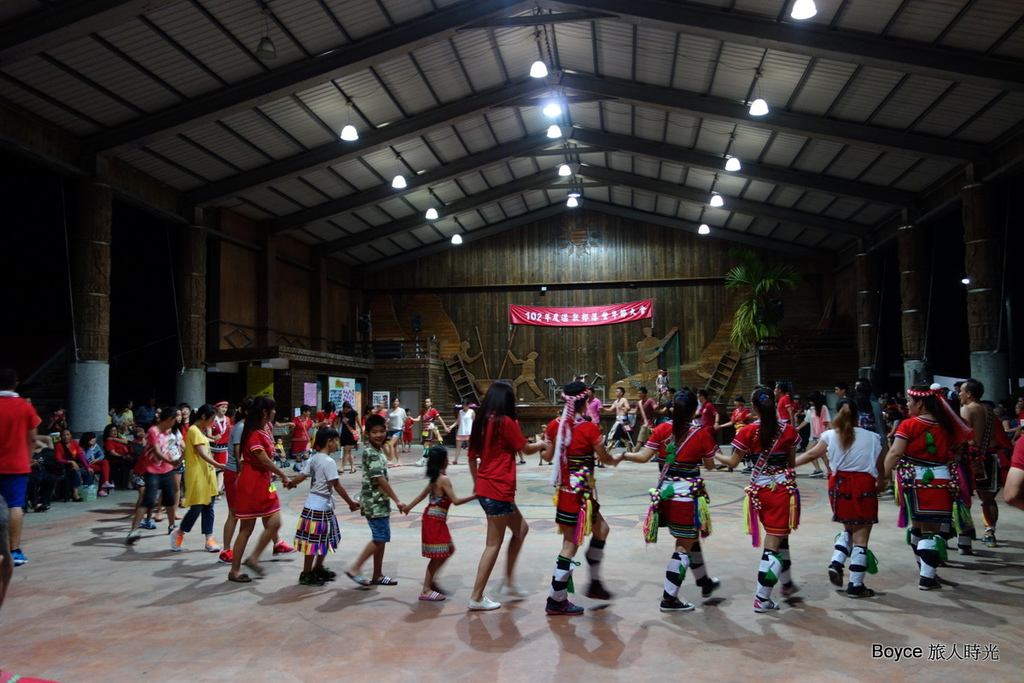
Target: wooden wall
x=626 y=261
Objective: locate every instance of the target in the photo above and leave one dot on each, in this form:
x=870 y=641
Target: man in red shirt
x=784 y=402
x=708 y=413
x=18 y=424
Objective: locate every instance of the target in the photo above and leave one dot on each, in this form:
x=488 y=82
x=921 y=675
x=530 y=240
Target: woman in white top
x=855 y=457
x=817 y=417
x=466 y=416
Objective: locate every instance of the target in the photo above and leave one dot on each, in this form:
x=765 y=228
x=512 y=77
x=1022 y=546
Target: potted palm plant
x=761 y=285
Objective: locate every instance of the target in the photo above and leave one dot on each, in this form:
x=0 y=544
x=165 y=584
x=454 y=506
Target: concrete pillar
x=868 y=293
x=913 y=261
x=191 y=278
x=89 y=371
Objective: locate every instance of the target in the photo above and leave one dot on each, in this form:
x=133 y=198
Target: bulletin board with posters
x=340 y=390
x=382 y=398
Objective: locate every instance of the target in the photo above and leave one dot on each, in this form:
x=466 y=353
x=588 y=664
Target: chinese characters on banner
x=581 y=316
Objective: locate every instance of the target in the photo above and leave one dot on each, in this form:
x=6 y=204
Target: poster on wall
x=309 y=395
x=340 y=390
x=259 y=381
x=382 y=398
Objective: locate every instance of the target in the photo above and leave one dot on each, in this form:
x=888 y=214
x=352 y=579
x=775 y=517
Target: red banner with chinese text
x=581 y=316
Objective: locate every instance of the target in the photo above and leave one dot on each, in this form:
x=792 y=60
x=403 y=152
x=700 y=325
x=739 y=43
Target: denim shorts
x=13 y=488
x=380 y=529
x=161 y=485
x=496 y=508
x=392 y=433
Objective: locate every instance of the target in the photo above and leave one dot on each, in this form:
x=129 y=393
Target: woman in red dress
x=255 y=495
x=928 y=494
x=680 y=497
x=773 y=500
x=572 y=442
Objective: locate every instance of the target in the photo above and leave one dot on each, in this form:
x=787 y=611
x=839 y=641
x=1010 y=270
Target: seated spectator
x=58 y=423
x=97 y=461
x=41 y=479
x=124 y=418
x=119 y=454
x=71 y=458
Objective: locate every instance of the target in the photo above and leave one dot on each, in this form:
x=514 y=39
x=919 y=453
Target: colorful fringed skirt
x=926 y=493
x=854 y=497
x=685 y=511
x=775 y=506
x=318 y=532
x=434 y=534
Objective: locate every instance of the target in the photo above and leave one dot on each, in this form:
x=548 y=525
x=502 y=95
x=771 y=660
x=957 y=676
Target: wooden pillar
x=983 y=266
x=318 y=304
x=868 y=287
x=915 y=261
x=191 y=281
x=266 y=308
x=90 y=213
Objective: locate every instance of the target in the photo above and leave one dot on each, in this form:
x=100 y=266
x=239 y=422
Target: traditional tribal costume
x=682 y=502
x=318 y=532
x=854 y=498
x=620 y=431
x=773 y=500
x=575 y=501
x=926 y=488
x=434 y=534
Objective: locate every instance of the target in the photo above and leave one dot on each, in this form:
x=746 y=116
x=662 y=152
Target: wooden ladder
x=720 y=378
x=457 y=373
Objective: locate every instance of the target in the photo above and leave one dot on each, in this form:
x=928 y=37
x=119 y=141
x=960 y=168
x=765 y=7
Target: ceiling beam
x=688 y=226
x=468 y=236
x=712 y=162
x=370 y=141
x=384 y=191
x=469 y=203
x=567 y=151
x=734 y=204
x=781 y=121
x=538 y=19
x=302 y=75
x=40 y=31
x=816 y=40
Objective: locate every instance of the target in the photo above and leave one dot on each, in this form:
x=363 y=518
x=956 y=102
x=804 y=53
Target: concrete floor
x=87 y=608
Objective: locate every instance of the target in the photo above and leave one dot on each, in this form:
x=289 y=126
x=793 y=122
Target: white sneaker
x=421 y=462
x=513 y=591
x=483 y=605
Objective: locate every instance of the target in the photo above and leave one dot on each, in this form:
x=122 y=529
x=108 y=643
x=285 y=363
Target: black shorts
x=162 y=484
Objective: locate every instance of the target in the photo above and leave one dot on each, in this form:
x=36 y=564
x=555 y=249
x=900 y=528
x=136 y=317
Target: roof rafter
x=469 y=203
x=66 y=22
x=383 y=192
x=815 y=40
x=786 y=122
x=539 y=19
x=734 y=204
x=754 y=171
x=302 y=75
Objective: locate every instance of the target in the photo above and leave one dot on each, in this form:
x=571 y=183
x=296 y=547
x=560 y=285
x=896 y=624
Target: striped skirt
x=317 y=533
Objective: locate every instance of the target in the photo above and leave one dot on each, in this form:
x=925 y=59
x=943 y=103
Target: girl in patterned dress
x=437 y=540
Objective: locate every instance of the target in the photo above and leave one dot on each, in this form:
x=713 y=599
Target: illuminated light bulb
x=349 y=133
x=716 y=200
x=704 y=229
x=552 y=109
x=399 y=182
x=803 y=9
x=554 y=131
x=564 y=170
x=456 y=238
x=758 y=107
x=572 y=202
x=431 y=214
x=539 y=69
x=733 y=164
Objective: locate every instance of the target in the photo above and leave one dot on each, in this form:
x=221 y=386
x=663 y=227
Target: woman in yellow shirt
x=200 y=481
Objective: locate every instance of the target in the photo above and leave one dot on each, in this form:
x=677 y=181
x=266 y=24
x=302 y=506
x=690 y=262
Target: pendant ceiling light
x=554 y=131
x=552 y=109
x=539 y=69
x=803 y=9
x=716 y=200
x=456 y=238
x=398 y=182
x=266 y=50
x=349 y=132
x=564 y=171
x=733 y=164
x=572 y=202
x=431 y=214
x=704 y=229
x=758 y=107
